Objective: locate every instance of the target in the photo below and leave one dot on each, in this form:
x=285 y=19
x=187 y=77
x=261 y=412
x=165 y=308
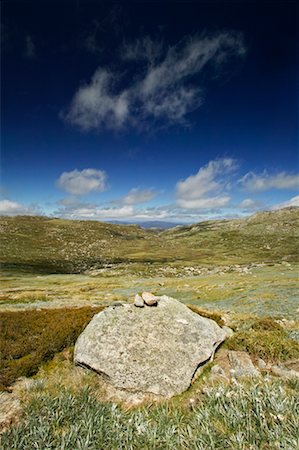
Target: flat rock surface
x=154 y=350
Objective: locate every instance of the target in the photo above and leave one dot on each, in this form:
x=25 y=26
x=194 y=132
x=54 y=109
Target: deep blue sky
x=206 y=90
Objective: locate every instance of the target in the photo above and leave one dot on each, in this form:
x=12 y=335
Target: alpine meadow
x=149 y=225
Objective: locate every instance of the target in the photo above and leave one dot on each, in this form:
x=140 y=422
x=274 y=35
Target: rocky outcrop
x=153 y=350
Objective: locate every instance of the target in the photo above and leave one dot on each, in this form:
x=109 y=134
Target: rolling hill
x=50 y=245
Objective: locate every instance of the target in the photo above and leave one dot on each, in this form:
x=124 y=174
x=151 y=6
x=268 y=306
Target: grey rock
x=10 y=410
x=228 y=330
x=241 y=364
x=149 y=299
x=150 y=350
x=283 y=372
x=217 y=370
x=138 y=301
x=261 y=364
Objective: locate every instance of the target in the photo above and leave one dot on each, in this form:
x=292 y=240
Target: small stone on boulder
x=149 y=299
x=138 y=301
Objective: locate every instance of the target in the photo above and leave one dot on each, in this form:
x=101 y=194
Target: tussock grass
x=28 y=338
x=266 y=324
x=214 y=315
x=253 y=415
x=272 y=346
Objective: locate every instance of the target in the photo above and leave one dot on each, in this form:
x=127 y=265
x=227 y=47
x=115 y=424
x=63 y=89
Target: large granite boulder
x=153 y=350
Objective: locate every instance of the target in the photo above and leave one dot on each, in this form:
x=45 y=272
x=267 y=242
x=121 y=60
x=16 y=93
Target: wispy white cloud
x=95 y=212
x=207 y=188
x=82 y=182
x=202 y=203
x=144 y=49
x=294 y=201
x=11 y=208
x=250 y=204
x=90 y=40
x=137 y=195
x=265 y=181
x=30 y=49
x=164 y=89
x=94 y=105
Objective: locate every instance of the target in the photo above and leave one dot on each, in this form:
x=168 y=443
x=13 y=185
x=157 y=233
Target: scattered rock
x=10 y=410
x=241 y=364
x=149 y=299
x=228 y=330
x=138 y=301
x=155 y=351
x=283 y=372
x=193 y=402
x=261 y=364
x=217 y=370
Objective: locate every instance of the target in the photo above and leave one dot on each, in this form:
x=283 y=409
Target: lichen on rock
x=152 y=350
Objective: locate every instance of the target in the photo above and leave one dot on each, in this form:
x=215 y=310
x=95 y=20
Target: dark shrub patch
x=28 y=338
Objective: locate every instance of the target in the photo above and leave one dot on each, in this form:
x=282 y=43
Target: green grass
x=263 y=291
x=253 y=415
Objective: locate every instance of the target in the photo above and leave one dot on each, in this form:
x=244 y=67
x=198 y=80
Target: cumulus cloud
x=163 y=88
x=262 y=182
x=294 y=201
x=11 y=208
x=30 y=49
x=82 y=182
x=136 y=195
x=206 y=189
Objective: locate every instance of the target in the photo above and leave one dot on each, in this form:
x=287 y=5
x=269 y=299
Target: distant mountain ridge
x=159 y=224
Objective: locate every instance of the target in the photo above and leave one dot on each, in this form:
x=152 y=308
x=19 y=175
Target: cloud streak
x=136 y=196
x=30 y=49
x=166 y=89
x=250 y=204
x=262 y=182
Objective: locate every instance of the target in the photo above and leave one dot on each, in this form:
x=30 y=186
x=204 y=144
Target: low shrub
x=29 y=338
x=214 y=315
x=272 y=346
x=266 y=324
